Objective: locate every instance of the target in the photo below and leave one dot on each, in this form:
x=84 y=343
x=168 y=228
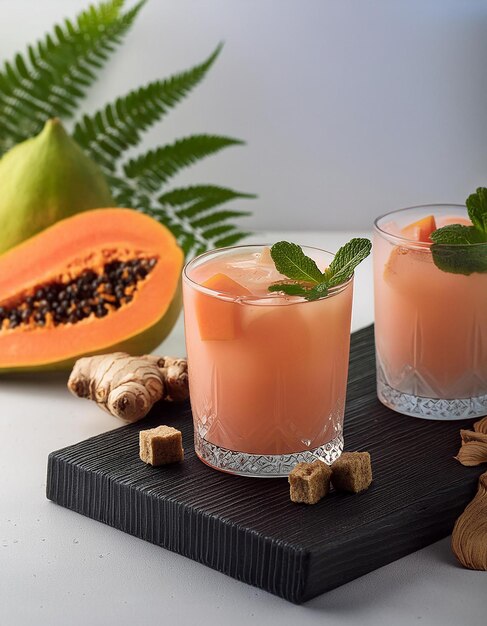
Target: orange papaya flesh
x=463 y=221
x=103 y=280
x=420 y=230
x=218 y=320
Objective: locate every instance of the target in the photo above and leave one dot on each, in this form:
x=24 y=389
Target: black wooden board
x=247 y=527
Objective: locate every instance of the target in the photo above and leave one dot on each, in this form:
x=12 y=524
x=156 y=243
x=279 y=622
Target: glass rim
x=412 y=243
x=333 y=291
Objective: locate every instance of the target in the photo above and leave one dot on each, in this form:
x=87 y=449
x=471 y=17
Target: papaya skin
x=136 y=328
x=46 y=179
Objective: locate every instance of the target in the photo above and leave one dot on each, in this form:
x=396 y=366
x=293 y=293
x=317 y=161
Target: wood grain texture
x=248 y=528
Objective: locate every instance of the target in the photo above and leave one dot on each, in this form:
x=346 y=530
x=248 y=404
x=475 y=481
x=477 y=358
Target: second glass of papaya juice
x=430 y=317
x=268 y=372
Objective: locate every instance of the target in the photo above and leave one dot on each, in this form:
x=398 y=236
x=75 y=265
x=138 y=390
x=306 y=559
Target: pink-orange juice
x=430 y=325
x=268 y=372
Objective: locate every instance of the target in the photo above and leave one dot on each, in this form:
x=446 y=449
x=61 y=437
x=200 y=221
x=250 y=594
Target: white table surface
x=59 y=568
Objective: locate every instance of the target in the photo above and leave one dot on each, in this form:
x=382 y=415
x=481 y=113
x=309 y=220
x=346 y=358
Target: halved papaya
x=103 y=280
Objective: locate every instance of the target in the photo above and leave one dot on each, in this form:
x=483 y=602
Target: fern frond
x=217 y=231
x=231 y=240
x=51 y=79
x=119 y=125
x=154 y=168
x=217 y=217
x=194 y=200
x=195 y=240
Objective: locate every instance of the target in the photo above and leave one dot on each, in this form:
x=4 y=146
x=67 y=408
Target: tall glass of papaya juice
x=430 y=316
x=267 y=371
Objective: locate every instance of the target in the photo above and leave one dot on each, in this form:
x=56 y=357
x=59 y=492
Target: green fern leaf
x=121 y=123
x=231 y=240
x=197 y=236
x=194 y=200
x=52 y=77
x=194 y=234
x=217 y=231
x=216 y=218
x=153 y=169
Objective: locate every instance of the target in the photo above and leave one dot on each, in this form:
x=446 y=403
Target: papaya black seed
x=87 y=294
x=14 y=317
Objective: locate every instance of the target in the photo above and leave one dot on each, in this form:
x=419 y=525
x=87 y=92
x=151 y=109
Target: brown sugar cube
x=161 y=445
x=352 y=472
x=309 y=482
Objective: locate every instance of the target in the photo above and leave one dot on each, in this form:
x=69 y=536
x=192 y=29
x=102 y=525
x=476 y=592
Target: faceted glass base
x=263 y=465
x=430 y=408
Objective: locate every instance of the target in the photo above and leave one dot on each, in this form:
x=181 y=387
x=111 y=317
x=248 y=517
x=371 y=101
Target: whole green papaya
x=43 y=180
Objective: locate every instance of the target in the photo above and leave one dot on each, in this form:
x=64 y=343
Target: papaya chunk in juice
x=224 y=284
x=420 y=230
x=218 y=320
x=446 y=221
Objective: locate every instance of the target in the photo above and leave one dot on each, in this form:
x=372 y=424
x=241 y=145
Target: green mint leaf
x=319 y=291
x=453 y=251
x=477 y=208
x=346 y=260
x=457 y=234
x=458 y=259
x=295 y=289
x=291 y=261
x=290 y=289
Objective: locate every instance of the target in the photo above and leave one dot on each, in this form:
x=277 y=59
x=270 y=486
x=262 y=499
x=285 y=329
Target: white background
x=350 y=107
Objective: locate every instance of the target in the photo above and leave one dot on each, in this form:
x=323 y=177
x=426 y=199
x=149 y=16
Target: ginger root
x=474 y=446
x=481 y=426
x=469 y=537
x=128 y=386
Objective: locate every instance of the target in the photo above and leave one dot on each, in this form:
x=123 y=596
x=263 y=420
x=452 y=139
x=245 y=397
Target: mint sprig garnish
x=453 y=246
x=477 y=209
x=290 y=289
x=308 y=281
x=346 y=260
x=291 y=261
x=457 y=234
